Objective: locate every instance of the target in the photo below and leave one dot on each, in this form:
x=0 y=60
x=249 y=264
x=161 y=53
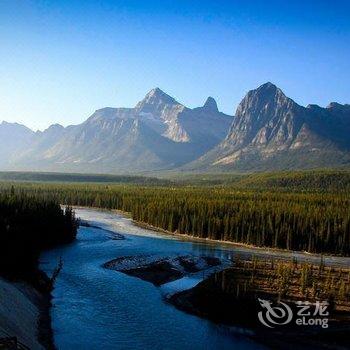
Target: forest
x=29 y=224
x=322 y=180
x=237 y=294
x=316 y=222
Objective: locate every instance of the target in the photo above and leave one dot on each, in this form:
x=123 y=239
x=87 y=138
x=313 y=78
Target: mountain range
x=269 y=131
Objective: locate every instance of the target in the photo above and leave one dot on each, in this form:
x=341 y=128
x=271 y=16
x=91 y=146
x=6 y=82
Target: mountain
x=13 y=138
x=272 y=132
x=268 y=132
x=158 y=133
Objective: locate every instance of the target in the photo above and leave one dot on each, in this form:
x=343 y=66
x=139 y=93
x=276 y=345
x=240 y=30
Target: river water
x=96 y=308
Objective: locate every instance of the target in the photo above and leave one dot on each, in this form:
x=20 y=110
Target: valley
x=164 y=240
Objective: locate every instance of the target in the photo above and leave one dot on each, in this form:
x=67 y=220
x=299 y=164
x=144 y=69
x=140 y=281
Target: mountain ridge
x=269 y=131
x=158 y=133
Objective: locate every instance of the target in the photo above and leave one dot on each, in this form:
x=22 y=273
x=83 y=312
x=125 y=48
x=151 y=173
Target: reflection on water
x=95 y=308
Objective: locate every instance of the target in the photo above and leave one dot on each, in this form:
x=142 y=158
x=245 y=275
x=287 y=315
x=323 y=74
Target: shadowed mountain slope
x=272 y=132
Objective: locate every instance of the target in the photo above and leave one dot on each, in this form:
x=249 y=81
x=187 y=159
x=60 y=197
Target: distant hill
x=13 y=138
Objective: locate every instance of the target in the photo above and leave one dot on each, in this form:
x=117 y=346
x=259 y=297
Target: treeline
x=29 y=224
x=302 y=181
x=287 y=279
x=323 y=181
x=313 y=222
x=66 y=177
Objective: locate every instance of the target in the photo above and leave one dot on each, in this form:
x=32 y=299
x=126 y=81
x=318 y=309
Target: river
x=96 y=308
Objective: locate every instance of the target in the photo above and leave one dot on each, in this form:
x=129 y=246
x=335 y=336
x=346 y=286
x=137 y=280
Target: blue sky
x=61 y=60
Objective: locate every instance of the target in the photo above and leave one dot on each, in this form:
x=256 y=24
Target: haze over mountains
x=159 y=133
x=269 y=131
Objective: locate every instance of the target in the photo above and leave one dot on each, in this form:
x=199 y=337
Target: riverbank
x=29 y=225
x=112 y=308
x=186 y=300
x=239 y=248
x=25 y=314
x=263 y=250
x=247 y=295
x=87 y=290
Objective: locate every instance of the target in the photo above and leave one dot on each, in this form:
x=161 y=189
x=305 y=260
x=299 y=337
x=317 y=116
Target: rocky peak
x=267 y=92
x=157 y=94
x=313 y=106
x=265 y=100
x=14 y=126
x=5 y=123
x=210 y=104
x=267 y=87
x=55 y=127
x=334 y=106
x=52 y=129
x=155 y=101
x=265 y=118
x=341 y=113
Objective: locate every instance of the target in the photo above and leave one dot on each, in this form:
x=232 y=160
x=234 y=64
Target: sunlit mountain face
x=268 y=132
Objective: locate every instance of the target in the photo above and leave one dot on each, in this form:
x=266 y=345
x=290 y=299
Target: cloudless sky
x=61 y=60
